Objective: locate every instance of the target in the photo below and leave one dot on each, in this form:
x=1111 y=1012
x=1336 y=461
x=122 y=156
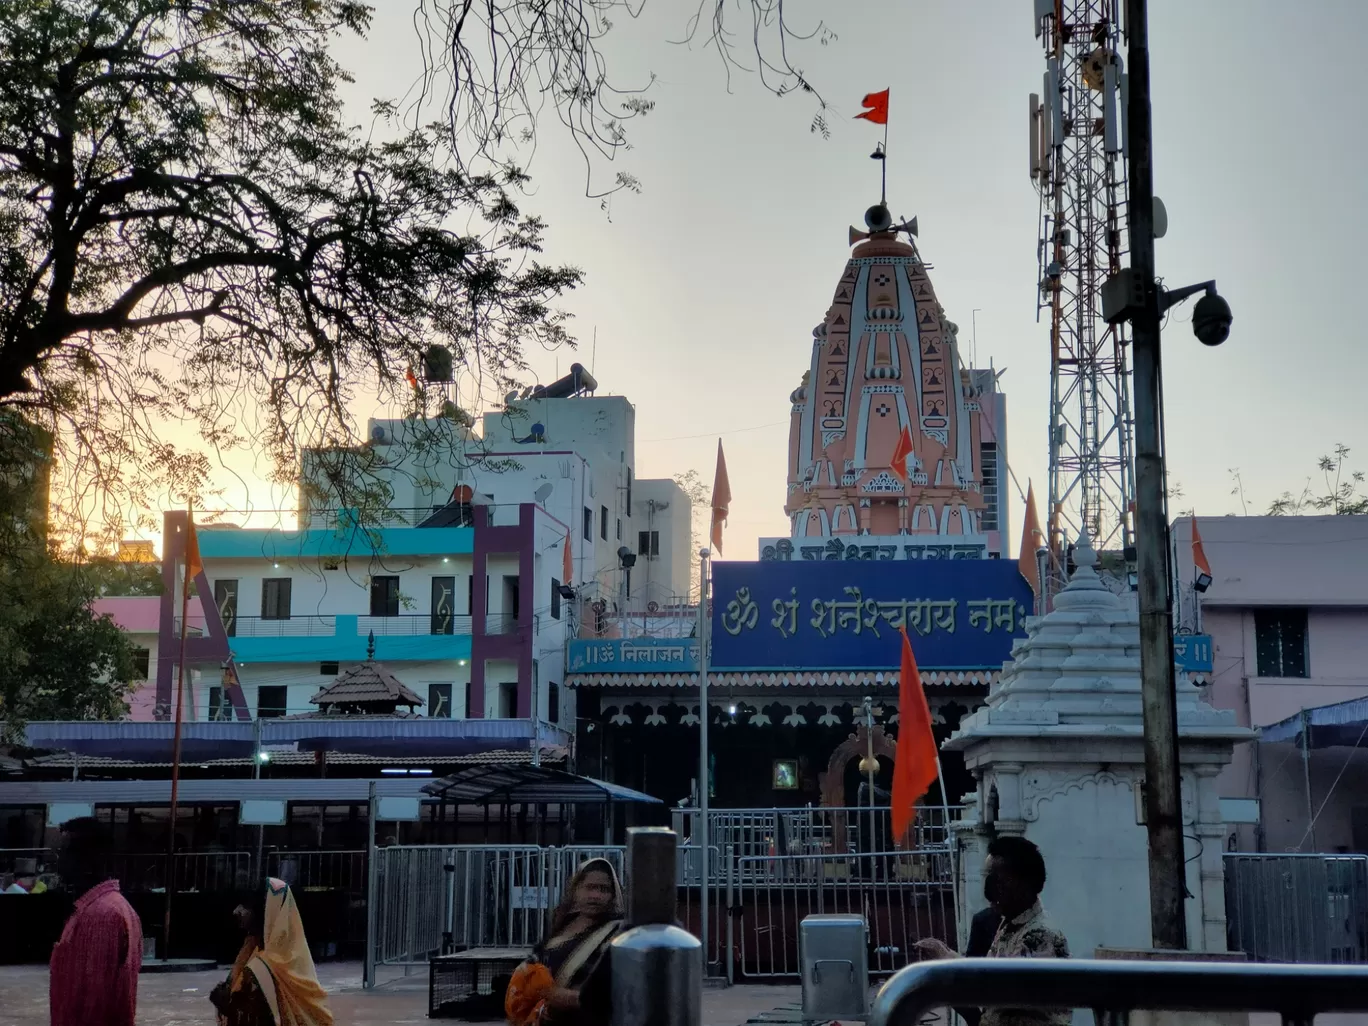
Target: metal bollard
x=657 y=967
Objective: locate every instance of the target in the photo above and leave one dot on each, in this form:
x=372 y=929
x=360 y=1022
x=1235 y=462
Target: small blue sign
x=836 y=615
x=633 y=655
x=1193 y=652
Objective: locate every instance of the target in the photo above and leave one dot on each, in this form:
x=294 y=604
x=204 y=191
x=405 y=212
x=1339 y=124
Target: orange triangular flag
x=568 y=568
x=1199 y=559
x=898 y=464
x=411 y=378
x=915 y=764
x=193 y=564
x=876 y=107
x=1032 y=540
x=721 y=498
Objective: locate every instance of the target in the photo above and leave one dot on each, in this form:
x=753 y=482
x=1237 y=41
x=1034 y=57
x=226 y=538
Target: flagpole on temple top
x=186 y=549
x=883 y=167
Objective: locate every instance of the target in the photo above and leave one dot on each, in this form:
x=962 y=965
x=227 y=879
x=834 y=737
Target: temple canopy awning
x=478 y=785
x=363 y=735
x=1343 y=724
x=721 y=681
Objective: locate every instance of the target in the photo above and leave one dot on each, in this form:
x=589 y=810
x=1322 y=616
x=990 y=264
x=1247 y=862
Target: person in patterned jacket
x=1013 y=879
x=94 y=971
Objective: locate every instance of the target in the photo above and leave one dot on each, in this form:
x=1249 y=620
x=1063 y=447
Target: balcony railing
x=274 y=627
x=345 y=519
x=315 y=626
x=413 y=623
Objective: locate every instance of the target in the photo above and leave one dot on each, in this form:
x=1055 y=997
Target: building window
x=619 y=528
x=588 y=524
x=648 y=544
x=1280 y=642
x=508 y=700
x=329 y=669
x=470 y=702
x=988 y=470
x=271 y=701
x=555 y=599
x=226 y=599
x=470 y=594
x=443 y=605
x=275 y=598
x=142 y=663
x=511 y=599
x=216 y=705
x=629 y=492
x=384 y=596
x=553 y=703
x=603 y=522
x=439 y=701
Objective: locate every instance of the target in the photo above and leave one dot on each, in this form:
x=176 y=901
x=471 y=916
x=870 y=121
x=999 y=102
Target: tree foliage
x=59 y=660
x=191 y=232
x=497 y=66
x=1337 y=492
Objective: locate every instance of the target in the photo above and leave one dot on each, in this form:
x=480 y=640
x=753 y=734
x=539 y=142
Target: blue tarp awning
x=1342 y=724
x=533 y=785
x=378 y=736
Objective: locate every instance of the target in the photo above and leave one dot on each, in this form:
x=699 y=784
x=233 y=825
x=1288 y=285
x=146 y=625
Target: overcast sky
x=703 y=289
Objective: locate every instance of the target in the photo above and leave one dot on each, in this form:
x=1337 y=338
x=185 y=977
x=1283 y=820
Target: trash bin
x=834 y=955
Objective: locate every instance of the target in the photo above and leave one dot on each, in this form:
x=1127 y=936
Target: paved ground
x=182 y=999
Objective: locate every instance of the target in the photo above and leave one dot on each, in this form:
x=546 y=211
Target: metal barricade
x=441 y=898
x=1113 y=989
x=760 y=833
x=904 y=896
x=1298 y=908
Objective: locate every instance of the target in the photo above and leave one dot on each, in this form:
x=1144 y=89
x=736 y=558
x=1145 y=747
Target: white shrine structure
x=1058 y=754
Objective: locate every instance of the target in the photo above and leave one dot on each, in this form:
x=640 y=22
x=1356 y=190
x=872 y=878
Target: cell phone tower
x=1078 y=165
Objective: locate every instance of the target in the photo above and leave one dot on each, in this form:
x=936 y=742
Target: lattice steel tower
x=1078 y=166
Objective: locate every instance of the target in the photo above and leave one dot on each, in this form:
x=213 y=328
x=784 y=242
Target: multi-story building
x=1286 y=613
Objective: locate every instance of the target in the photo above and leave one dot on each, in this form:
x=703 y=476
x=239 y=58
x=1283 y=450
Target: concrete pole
x=1163 y=801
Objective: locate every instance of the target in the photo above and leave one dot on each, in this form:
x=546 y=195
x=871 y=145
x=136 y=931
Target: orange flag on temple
x=898 y=464
x=1032 y=539
x=876 y=108
x=915 y=763
x=568 y=569
x=1202 y=577
x=721 y=498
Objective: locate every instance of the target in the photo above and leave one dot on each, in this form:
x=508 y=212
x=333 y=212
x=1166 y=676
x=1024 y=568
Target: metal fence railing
x=141 y=873
x=761 y=833
x=903 y=896
x=1298 y=908
x=1112 y=989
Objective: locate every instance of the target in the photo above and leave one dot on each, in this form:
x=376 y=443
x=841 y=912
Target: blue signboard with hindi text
x=633 y=655
x=837 y=615
x=1192 y=652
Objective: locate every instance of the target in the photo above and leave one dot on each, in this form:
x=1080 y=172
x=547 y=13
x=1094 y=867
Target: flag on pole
x=1032 y=538
x=410 y=377
x=898 y=464
x=193 y=565
x=915 y=763
x=721 y=498
x=876 y=108
x=568 y=570
x=1201 y=578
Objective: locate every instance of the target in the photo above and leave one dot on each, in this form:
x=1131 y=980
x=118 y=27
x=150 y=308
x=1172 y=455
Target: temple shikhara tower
x=886 y=358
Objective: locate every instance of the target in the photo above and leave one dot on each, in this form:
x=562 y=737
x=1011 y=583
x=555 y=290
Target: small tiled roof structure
x=367 y=689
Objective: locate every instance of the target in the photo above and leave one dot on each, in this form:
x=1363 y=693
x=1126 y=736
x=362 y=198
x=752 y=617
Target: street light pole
x=1163 y=801
x=704 y=629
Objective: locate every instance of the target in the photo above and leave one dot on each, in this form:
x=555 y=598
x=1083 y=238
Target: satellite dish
x=544 y=492
x=1160 y=218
